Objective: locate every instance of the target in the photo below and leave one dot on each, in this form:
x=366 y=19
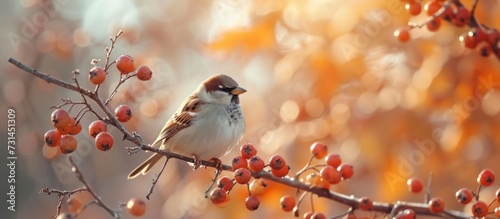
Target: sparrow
x=206 y=125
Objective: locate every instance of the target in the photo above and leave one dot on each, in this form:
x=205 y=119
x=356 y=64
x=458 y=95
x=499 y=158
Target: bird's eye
x=226 y=89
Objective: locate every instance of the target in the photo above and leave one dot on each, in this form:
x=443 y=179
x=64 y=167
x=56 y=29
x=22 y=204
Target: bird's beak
x=238 y=91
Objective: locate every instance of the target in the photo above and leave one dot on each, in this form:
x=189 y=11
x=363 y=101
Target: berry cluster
x=464 y=196
x=479 y=36
x=67 y=126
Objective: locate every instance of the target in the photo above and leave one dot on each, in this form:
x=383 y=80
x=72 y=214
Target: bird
x=206 y=126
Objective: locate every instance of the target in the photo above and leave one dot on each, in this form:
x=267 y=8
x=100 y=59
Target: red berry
x=333 y=160
x=406 y=214
x=497 y=212
x=104 y=141
x=462 y=16
x=467 y=41
x=308 y=215
x=225 y=183
x=239 y=162
x=403 y=34
x=97 y=127
x=464 y=195
x=492 y=36
x=319 y=150
x=281 y=172
x=287 y=203
x=318 y=215
x=431 y=7
x=136 y=207
x=123 y=113
x=144 y=73
x=486 y=177
x=498 y=195
x=479 y=209
x=331 y=175
x=256 y=164
x=76 y=129
x=52 y=138
x=248 y=151
x=242 y=175
x=277 y=162
x=477 y=34
x=415 y=185
x=67 y=144
x=485 y=50
x=252 y=203
x=60 y=118
x=125 y=64
x=413 y=8
x=97 y=75
x=218 y=196
x=365 y=204
x=346 y=170
x=434 y=24
x=68 y=128
x=436 y=205
x=73 y=204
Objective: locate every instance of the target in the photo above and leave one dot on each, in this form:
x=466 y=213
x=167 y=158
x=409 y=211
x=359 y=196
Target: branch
x=61 y=194
x=419 y=208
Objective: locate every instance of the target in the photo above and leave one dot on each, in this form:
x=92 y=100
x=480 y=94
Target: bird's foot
x=197 y=161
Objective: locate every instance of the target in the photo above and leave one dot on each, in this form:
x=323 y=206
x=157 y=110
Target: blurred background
x=319 y=70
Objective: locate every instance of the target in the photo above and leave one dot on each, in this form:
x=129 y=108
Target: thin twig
x=427 y=196
x=61 y=195
x=217 y=174
x=155 y=180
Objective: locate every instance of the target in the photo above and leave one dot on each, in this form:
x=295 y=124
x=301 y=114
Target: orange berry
x=258 y=186
x=467 y=41
x=52 y=138
x=477 y=34
x=319 y=150
x=464 y=195
x=247 y=151
x=252 y=203
x=60 y=118
x=497 y=212
x=76 y=129
x=239 y=162
x=123 y=113
x=413 y=8
x=462 y=17
x=479 y=209
x=333 y=160
x=318 y=215
x=403 y=34
x=104 y=141
x=73 y=204
x=436 y=205
x=431 y=7
x=97 y=75
x=287 y=203
x=67 y=129
x=365 y=204
x=97 y=127
x=447 y=14
x=498 y=195
x=486 y=177
x=281 y=172
x=277 y=162
x=225 y=183
x=242 y=175
x=346 y=170
x=67 y=144
x=415 y=185
x=485 y=50
x=218 y=196
x=331 y=175
x=136 y=207
x=125 y=64
x=434 y=24
x=256 y=164
x=144 y=73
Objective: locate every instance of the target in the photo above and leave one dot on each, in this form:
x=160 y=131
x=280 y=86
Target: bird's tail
x=145 y=167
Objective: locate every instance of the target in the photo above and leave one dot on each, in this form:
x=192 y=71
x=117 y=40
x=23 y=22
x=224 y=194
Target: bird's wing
x=180 y=120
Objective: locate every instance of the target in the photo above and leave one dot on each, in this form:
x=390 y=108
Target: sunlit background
x=319 y=70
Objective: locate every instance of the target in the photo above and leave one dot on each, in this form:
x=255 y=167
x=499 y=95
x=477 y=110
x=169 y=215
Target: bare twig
x=427 y=196
x=155 y=180
x=61 y=194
